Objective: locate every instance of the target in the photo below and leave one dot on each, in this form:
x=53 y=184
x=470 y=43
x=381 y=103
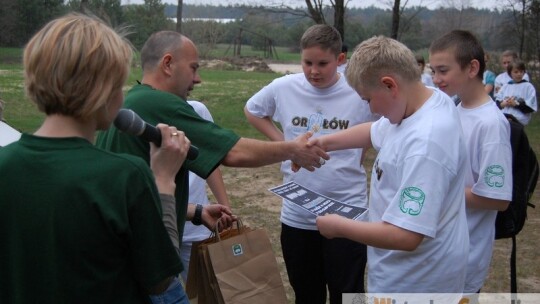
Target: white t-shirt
x=487 y=136
x=523 y=90
x=427 y=80
x=197 y=188
x=300 y=107
x=342 y=68
x=417 y=183
x=503 y=78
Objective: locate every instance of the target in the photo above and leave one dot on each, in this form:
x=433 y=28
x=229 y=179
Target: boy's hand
x=328 y=225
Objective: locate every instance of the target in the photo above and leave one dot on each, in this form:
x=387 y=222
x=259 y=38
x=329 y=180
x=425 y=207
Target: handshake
x=310 y=154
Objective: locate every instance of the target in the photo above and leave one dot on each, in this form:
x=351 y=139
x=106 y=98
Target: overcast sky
x=351 y=3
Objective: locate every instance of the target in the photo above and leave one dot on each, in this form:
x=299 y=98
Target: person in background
x=198 y=194
x=518 y=96
x=319 y=100
x=503 y=78
x=488 y=79
x=80 y=224
x=425 y=76
x=458 y=61
x=342 y=65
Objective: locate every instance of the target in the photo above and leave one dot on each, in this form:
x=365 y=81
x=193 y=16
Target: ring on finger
x=174 y=134
x=322 y=161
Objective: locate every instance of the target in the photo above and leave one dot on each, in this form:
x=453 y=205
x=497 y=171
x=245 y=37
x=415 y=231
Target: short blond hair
x=379 y=56
x=74 y=64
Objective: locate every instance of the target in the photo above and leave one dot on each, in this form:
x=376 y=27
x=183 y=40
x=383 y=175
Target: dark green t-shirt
x=155 y=107
x=79 y=225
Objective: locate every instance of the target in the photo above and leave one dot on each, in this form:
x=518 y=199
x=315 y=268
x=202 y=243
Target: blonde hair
x=379 y=56
x=74 y=64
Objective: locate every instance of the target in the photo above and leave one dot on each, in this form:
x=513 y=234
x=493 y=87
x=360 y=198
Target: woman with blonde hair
x=80 y=224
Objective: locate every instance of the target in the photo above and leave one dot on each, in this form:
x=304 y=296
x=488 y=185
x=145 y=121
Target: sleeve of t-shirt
x=530 y=97
x=490 y=78
x=201 y=109
x=152 y=252
x=378 y=131
x=213 y=141
x=495 y=164
x=262 y=104
x=417 y=205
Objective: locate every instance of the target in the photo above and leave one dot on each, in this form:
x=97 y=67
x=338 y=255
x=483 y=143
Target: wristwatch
x=197 y=217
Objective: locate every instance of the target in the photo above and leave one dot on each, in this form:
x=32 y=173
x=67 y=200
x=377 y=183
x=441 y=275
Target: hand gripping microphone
x=130 y=123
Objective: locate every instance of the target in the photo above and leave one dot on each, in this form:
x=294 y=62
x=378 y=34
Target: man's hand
x=307 y=156
x=216 y=214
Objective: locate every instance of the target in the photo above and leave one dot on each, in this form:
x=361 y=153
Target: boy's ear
x=341 y=58
x=388 y=82
x=474 y=68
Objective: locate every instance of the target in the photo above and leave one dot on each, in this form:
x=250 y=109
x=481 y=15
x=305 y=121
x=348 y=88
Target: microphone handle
x=152 y=134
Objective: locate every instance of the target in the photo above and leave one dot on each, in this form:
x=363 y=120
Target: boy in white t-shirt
x=503 y=78
x=417 y=231
x=320 y=101
x=198 y=195
x=457 y=59
x=518 y=96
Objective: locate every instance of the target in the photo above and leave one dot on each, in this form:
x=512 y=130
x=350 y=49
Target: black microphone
x=130 y=123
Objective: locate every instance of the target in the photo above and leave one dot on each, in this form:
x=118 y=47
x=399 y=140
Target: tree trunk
x=339 y=17
x=316 y=12
x=395 y=19
x=84 y=6
x=179 y=16
x=522 y=34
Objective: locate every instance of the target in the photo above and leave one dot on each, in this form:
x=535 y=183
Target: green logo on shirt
x=412 y=200
x=494 y=176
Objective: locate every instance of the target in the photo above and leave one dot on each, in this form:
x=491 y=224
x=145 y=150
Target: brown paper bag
x=201 y=281
x=246 y=269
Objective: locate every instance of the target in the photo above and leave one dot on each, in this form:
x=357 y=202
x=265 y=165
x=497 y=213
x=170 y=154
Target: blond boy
x=416 y=235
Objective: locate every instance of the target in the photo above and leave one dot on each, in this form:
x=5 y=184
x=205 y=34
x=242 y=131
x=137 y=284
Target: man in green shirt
x=170 y=62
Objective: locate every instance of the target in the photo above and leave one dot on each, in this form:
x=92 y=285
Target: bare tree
x=396 y=14
x=179 y=9
x=401 y=22
x=316 y=11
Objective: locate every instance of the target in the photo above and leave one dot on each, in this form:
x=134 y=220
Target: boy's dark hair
x=465 y=46
x=324 y=36
x=344 y=48
x=516 y=64
x=420 y=59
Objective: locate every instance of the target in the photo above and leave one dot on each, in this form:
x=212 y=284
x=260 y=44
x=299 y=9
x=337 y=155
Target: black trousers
x=314 y=263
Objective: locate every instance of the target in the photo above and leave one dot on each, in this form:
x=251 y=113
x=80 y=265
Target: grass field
x=225 y=93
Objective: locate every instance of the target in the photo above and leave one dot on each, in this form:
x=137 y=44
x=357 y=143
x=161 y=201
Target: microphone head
x=129 y=122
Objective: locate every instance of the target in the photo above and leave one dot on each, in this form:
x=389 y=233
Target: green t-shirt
x=155 y=107
x=79 y=225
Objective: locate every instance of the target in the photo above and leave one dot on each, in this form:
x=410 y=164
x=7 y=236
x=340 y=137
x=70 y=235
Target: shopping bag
x=201 y=282
x=246 y=269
